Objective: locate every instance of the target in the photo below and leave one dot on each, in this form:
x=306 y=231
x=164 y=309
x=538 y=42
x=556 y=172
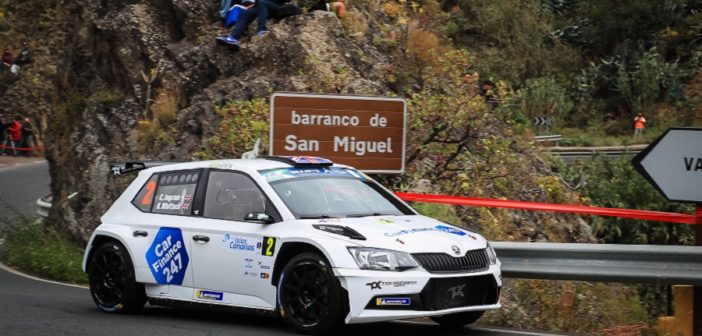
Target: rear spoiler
x=127 y=167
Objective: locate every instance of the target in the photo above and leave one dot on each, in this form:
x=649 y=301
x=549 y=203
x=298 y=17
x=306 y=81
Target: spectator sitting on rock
x=338 y=7
x=261 y=11
x=7 y=58
x=486 y=89
x=25 y=55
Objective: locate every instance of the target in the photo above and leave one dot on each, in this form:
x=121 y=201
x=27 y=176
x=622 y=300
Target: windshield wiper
x=368 y=215
x=315 y=217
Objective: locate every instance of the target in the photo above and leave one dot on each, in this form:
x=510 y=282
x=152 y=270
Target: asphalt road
x=22 y=182
x=32 y=307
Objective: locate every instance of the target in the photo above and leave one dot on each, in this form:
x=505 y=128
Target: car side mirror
x=258 y=217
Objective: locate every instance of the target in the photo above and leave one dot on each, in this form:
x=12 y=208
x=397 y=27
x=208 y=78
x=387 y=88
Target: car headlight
x=491 y=254
x=382 y=260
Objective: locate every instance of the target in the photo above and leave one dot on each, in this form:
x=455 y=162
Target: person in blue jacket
x=261 y=11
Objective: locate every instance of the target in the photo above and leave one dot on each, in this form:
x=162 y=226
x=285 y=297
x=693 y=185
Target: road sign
x=365 y=132
x=673 y=164
x=542 y=121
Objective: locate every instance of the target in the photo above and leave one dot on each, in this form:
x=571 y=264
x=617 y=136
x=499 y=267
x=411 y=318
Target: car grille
x=473 y=261
x=448 y=293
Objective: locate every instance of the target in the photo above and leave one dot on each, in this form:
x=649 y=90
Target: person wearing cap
x=261 y=10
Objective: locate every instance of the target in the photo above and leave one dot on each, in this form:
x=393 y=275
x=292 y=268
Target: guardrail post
x=697 y=303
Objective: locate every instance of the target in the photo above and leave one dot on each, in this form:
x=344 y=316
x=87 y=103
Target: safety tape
x=22 y=148
x=578 y=209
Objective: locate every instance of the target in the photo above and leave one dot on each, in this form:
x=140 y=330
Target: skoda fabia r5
x=317 y=243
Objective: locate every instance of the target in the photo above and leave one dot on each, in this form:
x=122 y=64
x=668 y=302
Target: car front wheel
x=112 y=282
x=458 y=320
x=310 y=297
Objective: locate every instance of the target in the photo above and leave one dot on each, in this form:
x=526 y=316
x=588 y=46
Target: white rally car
x=315 y=242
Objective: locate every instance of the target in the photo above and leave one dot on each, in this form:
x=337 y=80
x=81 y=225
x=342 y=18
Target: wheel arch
x=98 y=240
x=289 y=250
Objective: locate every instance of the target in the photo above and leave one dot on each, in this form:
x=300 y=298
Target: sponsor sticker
x=263 y=266
x=258 y=245
x=380 y=284
x=241 y=243
x=407 y=232
x=248 y=263
x=209 y=295
x=440 y=228
x=286 y=173
x=265 y=275
x=448 y=229
x=393 y=301
x=167 y=257
x=385 y=220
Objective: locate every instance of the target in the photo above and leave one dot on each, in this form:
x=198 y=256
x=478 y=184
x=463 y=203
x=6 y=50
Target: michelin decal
x=167 y=256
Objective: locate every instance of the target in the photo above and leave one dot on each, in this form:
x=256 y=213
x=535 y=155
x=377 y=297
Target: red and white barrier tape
x=21 y=148
x=578 y=209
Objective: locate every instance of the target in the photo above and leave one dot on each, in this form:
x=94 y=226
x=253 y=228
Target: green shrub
x=242 y=122
x=32 y=247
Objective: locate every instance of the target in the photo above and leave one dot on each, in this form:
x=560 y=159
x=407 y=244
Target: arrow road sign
x=673 y=164
x=538 y=121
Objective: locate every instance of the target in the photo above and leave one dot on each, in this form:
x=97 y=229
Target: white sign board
x=673 y=164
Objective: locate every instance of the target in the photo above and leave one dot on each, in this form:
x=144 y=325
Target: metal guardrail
x=549 y=138
x=44 y=205
x=585 y=152
x=659 y=264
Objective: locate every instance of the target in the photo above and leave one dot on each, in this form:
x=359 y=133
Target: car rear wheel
x=458 y=320
x=112 y=282
x=310 y=297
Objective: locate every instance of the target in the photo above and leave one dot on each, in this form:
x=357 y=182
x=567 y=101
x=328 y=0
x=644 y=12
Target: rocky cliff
x=107 y=64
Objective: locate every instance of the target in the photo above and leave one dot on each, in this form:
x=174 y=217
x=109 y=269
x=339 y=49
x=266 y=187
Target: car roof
x=234 y=164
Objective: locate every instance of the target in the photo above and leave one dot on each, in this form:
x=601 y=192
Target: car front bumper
x=380 y=295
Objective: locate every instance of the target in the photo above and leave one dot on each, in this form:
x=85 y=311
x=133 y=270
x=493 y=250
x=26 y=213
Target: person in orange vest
x=639 y=123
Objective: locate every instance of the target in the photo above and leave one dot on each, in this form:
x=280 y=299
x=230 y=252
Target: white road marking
x=18 y=273
x=484 y=329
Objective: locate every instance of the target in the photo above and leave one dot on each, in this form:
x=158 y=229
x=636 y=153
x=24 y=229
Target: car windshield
x=327 y=197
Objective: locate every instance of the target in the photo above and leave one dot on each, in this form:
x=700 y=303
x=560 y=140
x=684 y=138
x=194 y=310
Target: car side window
x=231 y=196
x=175 y=192
x=145 y=198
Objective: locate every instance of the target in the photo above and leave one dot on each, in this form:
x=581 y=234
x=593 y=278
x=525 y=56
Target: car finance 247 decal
x=167 y=256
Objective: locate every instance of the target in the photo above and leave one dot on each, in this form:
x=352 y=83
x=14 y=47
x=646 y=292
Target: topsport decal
x=167 y=256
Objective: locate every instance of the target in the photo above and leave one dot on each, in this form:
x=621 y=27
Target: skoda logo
x=456 y=250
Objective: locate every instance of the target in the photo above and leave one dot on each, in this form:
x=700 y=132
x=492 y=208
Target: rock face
x=113 y=44
x=106 y=62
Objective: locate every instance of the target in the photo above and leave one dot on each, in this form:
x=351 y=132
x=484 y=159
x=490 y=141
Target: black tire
x=458 y=320
x=112 y=282
x=310 y=298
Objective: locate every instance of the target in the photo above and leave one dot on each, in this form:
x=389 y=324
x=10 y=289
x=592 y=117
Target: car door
x=160 y=239
x=232 y=258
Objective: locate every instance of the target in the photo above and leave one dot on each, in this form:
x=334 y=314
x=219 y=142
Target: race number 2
x=268 y=246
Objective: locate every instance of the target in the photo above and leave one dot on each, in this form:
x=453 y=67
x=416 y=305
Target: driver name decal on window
x=175 y=192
